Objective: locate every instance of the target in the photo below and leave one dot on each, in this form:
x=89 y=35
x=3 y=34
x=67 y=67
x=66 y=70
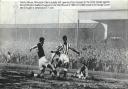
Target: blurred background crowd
x=96 y=57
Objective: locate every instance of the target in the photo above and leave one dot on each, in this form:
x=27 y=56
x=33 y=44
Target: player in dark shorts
x=43 y=62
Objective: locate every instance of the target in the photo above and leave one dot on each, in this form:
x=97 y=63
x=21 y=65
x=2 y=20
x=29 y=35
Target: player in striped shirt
x=64 y=58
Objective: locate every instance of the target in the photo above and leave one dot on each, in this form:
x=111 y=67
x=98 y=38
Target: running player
x=43 y=62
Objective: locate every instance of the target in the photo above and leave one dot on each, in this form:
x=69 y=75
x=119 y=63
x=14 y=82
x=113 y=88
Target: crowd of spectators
x=95 y=58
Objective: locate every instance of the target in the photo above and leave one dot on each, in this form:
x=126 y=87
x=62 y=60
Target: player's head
x=65 y=38
x=41 y=39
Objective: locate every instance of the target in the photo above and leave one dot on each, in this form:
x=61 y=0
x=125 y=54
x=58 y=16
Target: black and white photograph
x=51 y=47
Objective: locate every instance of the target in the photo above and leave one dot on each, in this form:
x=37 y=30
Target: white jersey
x=65 y=49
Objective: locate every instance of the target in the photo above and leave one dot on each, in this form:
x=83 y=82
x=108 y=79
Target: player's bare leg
x=52 y=68
x=41 y=74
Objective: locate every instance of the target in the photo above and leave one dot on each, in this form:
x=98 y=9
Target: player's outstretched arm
x=33 y=48
x=74 y=50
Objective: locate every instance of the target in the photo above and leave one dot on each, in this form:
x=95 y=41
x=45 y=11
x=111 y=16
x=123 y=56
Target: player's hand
x=30 y=50
x=52 y=51
x=78 y=53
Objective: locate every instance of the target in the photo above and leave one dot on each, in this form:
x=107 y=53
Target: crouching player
x=62 y=51
x=43 y=62
x=82 y=72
